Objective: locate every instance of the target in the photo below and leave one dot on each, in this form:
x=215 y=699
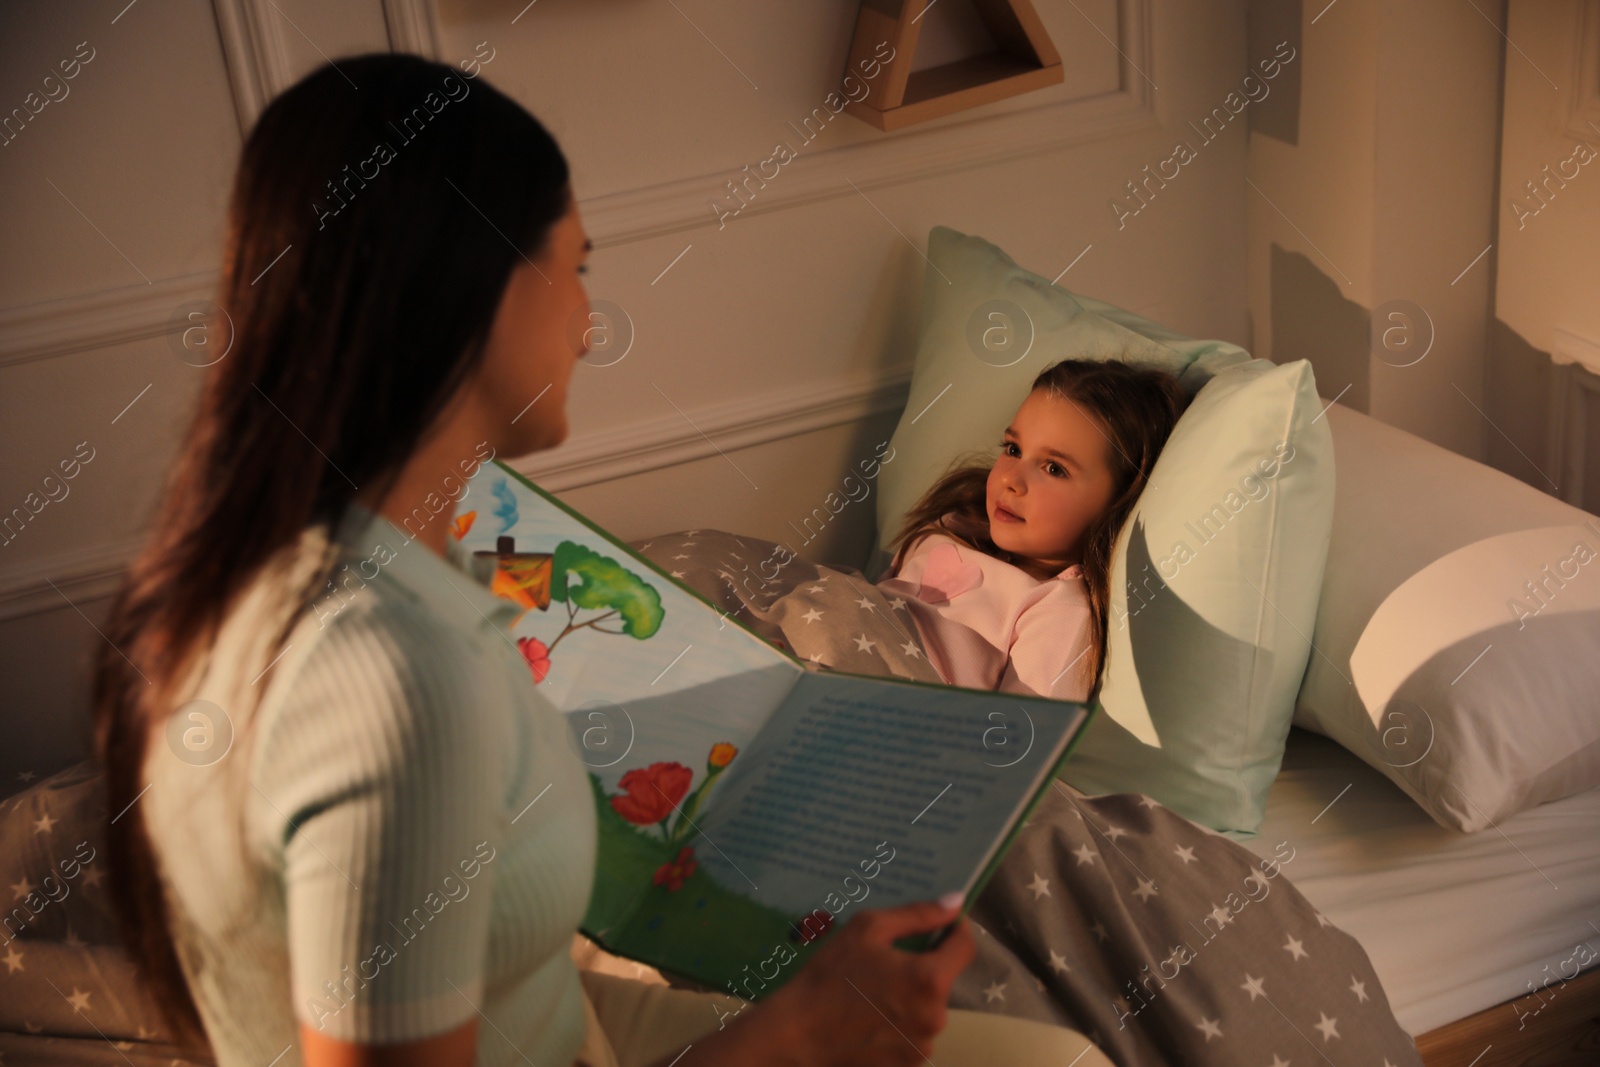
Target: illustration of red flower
x=812 y=926
x=722 y=754
x=651 y=793
x=537 y=655
x=675 y=873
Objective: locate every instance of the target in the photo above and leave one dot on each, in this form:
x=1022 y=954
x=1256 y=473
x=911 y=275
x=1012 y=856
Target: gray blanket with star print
x=1162 y=941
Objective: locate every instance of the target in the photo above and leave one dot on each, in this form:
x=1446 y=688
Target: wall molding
x=260 y=63
x=413 y=27
x=104 y=319
x=1582 y=99
x=635 y=448
x=255 y=54
x=898 y=158
x=1574 y=393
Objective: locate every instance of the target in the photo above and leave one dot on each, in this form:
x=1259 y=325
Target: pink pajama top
x=989 y=625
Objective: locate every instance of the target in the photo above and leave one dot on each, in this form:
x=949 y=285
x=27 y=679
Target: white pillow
x=1425 y=666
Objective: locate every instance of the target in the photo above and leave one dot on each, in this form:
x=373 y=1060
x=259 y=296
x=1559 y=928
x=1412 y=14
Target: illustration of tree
x=581 y=578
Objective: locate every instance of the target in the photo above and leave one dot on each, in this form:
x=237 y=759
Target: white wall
x=1384 y=193
x=767 y=360
x=1547 y=295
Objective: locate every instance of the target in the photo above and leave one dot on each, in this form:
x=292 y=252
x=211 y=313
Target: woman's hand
x=859 y=999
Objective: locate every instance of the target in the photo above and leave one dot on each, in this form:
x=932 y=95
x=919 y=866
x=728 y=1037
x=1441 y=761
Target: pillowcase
x=1214 y=587
x=988 y=328
x=1203 y=667
x=1457 y=627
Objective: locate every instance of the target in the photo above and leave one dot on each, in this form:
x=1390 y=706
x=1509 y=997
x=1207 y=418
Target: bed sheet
x=1453 y=923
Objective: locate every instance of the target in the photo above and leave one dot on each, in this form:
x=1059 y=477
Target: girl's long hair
x=357 y=291
x=1135 y=406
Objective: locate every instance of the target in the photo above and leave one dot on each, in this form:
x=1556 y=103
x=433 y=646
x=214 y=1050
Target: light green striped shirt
x=402 y=840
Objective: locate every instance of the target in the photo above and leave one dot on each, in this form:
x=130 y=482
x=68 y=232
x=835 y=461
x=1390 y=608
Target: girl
x=1005 y=566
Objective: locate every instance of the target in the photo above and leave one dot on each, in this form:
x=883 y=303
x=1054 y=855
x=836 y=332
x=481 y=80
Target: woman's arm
x=454 y=1048
x=858 y=999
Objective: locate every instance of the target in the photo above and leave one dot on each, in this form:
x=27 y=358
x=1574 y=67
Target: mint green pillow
x=1216 y=574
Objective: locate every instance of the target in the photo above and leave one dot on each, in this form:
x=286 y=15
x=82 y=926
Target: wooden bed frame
x=1557 y=1027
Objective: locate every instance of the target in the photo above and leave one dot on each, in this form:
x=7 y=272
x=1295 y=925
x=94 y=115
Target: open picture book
x=747 y=801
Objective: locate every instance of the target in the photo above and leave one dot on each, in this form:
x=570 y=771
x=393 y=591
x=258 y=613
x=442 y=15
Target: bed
x=1469 y=932
x=1476 y=918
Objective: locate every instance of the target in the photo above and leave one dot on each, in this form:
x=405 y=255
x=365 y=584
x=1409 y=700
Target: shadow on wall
x=1311 y=320
x=1517 y=401
x=1277 y=115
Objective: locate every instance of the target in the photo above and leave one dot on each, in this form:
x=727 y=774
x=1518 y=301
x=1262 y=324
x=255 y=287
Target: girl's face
x=1050 y=482
x=536 y=341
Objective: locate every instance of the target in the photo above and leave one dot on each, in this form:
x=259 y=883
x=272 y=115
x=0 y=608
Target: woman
x=346 y=820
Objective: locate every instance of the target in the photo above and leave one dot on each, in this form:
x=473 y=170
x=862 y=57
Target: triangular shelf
x=898 y=96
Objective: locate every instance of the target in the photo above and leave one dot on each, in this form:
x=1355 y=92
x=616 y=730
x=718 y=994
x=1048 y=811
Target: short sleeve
x=383 y=779
x=1052 y=647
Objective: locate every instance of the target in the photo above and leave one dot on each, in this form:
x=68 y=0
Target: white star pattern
x=1222 y=916
x=898 y=604
x=1058 y=962
x=1114 y=832
x=817 y=659
x=994 y=991
x=94 y=875
x=12 y=959
x=1185 y=854
x=865 y=603
x=1100 y=930
x=22 y=888
x=1320 y=920
x=1040 y=887
x=865 y=643
x=1293 y=947
x=911 y=650
x=25 y=776
x=811 y=616
x=1358 y=988
x=816 y=589
x=1277 y=1062
x=1146 y=890
x=79 y=1000
x=1085 y=854
x=43 y=824
x=677 y=574
x=1327 y=1028
x=1209 y=1027
x=1148 y=802
x=1252 y=986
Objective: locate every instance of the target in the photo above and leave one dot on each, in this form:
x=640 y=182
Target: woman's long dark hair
x=1137 y=408
x=359 y=286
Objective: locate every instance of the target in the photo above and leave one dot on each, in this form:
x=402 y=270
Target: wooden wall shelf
x=1024 y=61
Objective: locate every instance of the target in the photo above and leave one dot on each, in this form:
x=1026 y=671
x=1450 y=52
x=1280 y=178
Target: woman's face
x=536 y=340
x=1050 y=481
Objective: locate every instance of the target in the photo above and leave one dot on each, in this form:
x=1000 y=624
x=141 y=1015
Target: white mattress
x=1453 y=923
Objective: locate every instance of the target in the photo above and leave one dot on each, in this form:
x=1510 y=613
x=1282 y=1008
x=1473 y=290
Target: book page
x=645 y=669
x=663 y=692
x=859 y=793
x=878 y=792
